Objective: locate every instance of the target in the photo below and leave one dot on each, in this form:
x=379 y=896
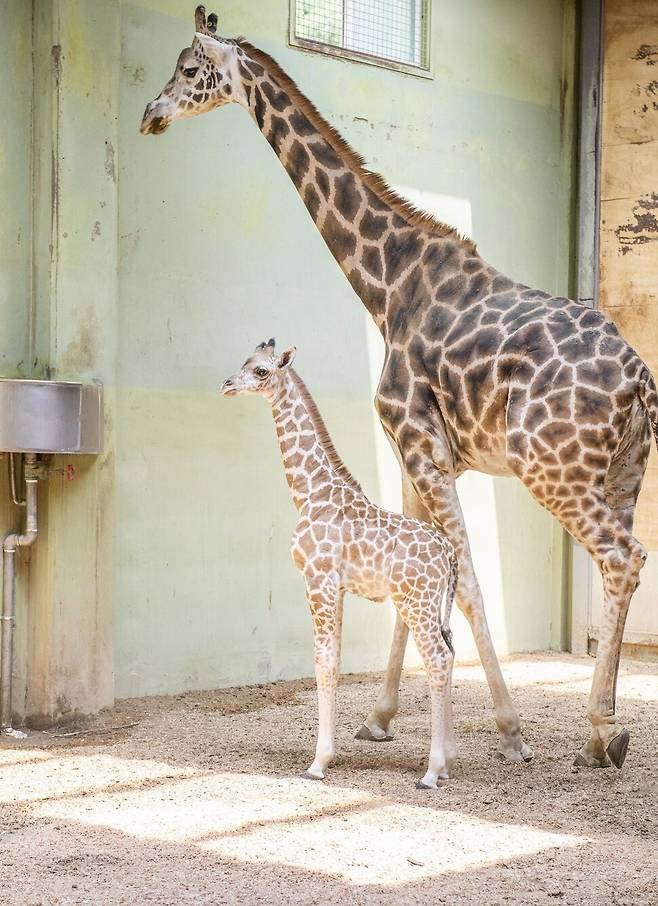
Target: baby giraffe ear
x=287 y=356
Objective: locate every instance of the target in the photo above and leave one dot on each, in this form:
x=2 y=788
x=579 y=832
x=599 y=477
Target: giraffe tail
x=649 y=398
x=448 y=602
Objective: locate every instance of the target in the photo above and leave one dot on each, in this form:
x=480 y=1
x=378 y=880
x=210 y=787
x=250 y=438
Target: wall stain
x=643 y=229
x=648 y=97
x=110 y=168
x=95 y=230
x=136 y=74
x=56 y=56
x=647 y=53
x=81 y=352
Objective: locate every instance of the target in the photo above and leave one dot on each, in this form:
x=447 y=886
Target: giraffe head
x=263 y=373
x=206 y=76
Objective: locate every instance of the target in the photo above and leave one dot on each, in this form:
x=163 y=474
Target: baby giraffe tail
x=649 y=399
x=447 y=603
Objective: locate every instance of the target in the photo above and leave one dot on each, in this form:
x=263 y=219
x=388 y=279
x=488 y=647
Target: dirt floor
x=198 y=799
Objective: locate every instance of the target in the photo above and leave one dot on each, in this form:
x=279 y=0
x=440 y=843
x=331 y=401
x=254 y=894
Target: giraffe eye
x=190 y=71
x=261 y=372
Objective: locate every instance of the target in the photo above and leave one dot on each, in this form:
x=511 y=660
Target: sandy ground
x=199 y=800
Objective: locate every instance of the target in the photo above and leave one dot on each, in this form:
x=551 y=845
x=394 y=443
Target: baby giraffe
x=343 y=542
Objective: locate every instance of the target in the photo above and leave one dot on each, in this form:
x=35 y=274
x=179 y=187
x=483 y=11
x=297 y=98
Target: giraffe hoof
x=366 y=733
x=514 y=755
x=589 y=761
x=617 y=749
x=307 y=775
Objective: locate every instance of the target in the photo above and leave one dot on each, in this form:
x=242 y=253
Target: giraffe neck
x=310 y=461
x=376 y=237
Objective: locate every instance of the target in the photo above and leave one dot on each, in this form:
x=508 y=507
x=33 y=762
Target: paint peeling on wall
x=644 y=226
x=647 y=53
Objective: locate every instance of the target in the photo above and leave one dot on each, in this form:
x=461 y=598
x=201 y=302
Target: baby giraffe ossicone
x=343 y=542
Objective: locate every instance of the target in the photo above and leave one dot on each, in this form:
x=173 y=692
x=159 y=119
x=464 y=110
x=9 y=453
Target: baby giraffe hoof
x=375 y=734
x=313 y=775
x=422 y=785
x=618 y=747
x=430 y=782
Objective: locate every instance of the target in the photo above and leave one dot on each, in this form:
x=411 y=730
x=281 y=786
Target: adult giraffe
x=480 y=372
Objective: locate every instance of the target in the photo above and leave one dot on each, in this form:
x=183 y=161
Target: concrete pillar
x=67 y=644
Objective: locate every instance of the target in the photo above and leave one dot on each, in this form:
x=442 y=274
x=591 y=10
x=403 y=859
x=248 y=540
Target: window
x=385 y=32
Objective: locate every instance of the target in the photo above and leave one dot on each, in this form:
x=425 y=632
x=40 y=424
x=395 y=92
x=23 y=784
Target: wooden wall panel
x=629 y=198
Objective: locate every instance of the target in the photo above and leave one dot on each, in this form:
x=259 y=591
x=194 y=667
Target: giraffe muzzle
x=152 y=122
x=228 y=388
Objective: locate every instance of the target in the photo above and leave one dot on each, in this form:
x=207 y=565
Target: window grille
x=386 y=32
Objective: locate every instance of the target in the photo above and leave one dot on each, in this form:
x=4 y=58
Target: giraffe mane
x=322 y=434
x=413 y=215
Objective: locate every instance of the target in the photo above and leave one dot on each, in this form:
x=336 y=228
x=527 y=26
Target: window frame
x=356 y=56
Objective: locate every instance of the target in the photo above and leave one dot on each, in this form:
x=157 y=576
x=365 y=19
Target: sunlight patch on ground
x=531 y=672
x=54 y=778
x=11 y=756
x=207 y=806
x=362 y=838
x=390 y=844
x=641 y=686
x=558 y=676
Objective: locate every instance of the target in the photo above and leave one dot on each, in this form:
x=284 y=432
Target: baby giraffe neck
x=310 y=461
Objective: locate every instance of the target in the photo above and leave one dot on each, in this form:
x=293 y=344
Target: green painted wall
x=217 y=252
x=173 y=256
x=15 y=191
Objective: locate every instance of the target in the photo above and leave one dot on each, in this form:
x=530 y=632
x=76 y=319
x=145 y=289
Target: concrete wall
x=15 y=240
x=176 y=255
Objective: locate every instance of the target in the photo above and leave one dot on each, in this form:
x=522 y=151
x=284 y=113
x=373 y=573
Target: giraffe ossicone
x=345 y=543
x=481 y=372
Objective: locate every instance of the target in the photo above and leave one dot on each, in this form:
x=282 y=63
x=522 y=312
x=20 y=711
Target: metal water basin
x=50 y=416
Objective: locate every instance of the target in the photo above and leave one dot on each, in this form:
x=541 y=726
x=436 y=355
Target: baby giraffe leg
x=448 y=723
x=420 y=609
x=438 y=663
x=327 y=611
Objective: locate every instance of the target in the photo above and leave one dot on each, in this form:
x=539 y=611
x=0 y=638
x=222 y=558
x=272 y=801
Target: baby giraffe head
x=206 y=76
x=263 y=373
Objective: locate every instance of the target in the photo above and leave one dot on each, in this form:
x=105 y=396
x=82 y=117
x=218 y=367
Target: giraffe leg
x=511 y=745
x=620 y=569
x=436 y=489
x=326 y=605
x=377 y=725
x=622 y=487
x=584 y=461
x=595 y=524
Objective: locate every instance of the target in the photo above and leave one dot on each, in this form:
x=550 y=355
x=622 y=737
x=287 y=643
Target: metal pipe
x=12 y=480
x=10 y=543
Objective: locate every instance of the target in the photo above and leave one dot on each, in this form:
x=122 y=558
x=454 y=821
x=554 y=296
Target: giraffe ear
x=214 y=49
x=287 y=357
x=200 y=19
